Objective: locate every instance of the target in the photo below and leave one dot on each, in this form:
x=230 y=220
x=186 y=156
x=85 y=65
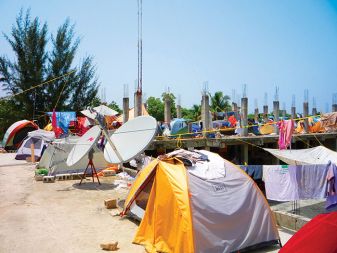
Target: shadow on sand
x=94 y=186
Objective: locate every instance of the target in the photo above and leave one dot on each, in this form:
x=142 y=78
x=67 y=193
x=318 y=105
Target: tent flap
x=167 y=223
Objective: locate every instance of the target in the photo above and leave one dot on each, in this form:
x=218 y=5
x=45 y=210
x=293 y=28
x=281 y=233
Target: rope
x=58 y=99
x=39 y=85
x=233 y=128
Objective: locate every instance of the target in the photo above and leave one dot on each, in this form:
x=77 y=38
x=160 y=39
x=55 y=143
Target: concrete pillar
x=205 y=114
x=167 y=110
x=284 y=112
x=276 y=105
x=256 y=114
x=235 y=109
x=244 y=156
x=293 y=112
x=314 y=111
x=334 y=108
x=305 y=115
x=179 y=115
x=125 y=109
x=244 y=122
x=138 y=104
x=265 y=113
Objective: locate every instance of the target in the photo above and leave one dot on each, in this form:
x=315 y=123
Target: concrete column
x=293 y=112
x=314 y=111
x=235 y=109
x=256 y=114
x=167 y=110
x=284 y=113
x=265 y=113
x=205 y=117
x=244 y=122
x=306 y=114
x=244 y=156
x=125 y=109
x=276 y=105
x=138 y=104
x=334 y=108
x=179 y=111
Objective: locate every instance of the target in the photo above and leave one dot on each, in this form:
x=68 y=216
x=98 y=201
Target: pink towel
x=286 y=131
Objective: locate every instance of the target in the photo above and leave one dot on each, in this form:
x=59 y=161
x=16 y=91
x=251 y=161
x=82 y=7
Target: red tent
x=318 y=235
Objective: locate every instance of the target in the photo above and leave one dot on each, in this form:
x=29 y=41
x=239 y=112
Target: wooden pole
x=32 y=149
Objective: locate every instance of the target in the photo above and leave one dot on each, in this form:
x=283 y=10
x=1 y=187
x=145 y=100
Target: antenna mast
x=140 y=47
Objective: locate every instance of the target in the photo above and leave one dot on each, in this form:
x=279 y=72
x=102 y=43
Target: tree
x=60 y=61
x=28 y=41
x=155 y=108
x=219 y=102
x=25 y=78
x=114 y=106
x=85 y=86
x=196 y=112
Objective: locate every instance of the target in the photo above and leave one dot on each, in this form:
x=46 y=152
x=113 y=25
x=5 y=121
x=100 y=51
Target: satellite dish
x=83 y=145
x=131 y=139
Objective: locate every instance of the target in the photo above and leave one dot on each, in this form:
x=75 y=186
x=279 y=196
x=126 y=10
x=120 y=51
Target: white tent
x=55 y=156
x=40 y=138
x=317 y=155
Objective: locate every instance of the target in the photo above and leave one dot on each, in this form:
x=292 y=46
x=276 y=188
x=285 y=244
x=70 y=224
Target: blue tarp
x=63 y=119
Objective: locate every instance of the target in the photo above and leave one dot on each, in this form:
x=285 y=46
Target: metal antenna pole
x=141 y=48
x=99 y=121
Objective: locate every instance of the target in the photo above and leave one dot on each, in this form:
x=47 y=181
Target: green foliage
x=96 y=101
x=60 y=60
x=155 y=108
x=219 y=102
x=114 y=106
x=85 y=87
x=6 y=116
x=28 y=41
x=34 y=65
x=196 y=112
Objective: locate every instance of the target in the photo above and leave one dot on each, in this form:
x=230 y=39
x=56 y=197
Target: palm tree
x=220 y=102
x=196 y=112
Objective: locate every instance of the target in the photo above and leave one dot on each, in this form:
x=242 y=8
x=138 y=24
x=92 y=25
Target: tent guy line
x=38 y=85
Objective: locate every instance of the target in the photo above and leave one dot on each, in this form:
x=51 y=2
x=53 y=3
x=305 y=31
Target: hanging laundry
x=311 y=181
x=280 y=183
x=331 y=200
x=254 y=171
x=63 y=119
x=286 y=128
x=329 y=121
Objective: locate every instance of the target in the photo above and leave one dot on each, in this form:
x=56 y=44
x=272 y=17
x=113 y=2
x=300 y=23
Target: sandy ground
x=62 y=216
x=57 y=217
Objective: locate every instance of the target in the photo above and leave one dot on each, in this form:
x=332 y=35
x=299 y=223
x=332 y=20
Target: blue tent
x=178 y=126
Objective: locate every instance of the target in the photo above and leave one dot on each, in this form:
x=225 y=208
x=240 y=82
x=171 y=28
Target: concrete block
x=68 y=176
x=289 y=220
x=110 y=203
x=48 y=179
x=38 y=177
x=60 y=177
x=76 y=176
x=109 y=173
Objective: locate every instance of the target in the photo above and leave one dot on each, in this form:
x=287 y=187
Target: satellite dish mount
x=92 y=167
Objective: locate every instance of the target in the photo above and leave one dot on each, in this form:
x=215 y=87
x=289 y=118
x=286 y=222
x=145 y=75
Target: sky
x=228 y=44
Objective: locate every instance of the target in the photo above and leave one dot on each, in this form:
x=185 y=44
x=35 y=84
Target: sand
x=58 y=217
